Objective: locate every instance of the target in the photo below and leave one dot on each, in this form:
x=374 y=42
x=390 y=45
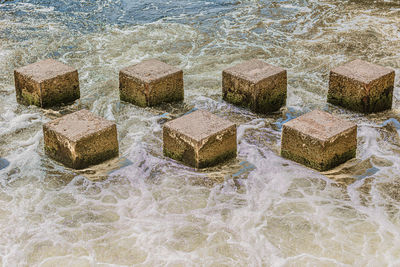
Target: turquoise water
x=146 y=210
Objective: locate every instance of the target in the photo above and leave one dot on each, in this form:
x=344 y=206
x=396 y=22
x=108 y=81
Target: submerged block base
x=151 y=83
x=365 y=104
x=200 y=139
x=361 y=86
x=46 y=83
x=320 y=165
x=80 y=139
x=256 y=85
x=319 y=140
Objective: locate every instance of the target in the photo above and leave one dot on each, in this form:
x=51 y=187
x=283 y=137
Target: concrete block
x=200 y=139
x=151 y=83
x=319 y=140
x=256 y=85
x=80 y=139
x=361 y=86
x=46 y=83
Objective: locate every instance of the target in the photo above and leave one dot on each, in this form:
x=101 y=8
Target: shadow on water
x=4 y=163
x=354 y=170
x=290 y=114
x=102 y=171
x=234 y=171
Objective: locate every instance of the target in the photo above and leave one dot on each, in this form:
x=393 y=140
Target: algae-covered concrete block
x=319 y=140
x=46 y=83
x=255 y=84
x=151 y=83
x=361 y=86
x=80 y=139
x=200 y=139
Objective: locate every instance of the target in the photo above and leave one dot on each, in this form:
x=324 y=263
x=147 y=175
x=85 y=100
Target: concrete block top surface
x=320 y=125
x=45 y=69
x=150 y=70
x=78 y=125
x=254 y=70
x=362 y=71
x=199 y=125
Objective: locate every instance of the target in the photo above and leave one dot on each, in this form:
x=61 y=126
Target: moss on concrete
x=270 y=104
x=217 y=160
x=189 y=159
x=323 y=165
x=138 y=101
x=86 y=161
x=366 y=104
x=27 y=98
x=57 y=99
x=172 y=155
x=187 y=156
x=237 y=99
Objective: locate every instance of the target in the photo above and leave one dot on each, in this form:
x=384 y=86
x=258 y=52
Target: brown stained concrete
x=200 y=139
x=361 y=86
x=319 y=140
x=151 y=83
x=255 y=84
x=46 y=83
x=80 y=139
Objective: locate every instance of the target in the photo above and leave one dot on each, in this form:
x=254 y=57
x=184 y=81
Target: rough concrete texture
x=361 y=86
x=319 y=140
x=46 y=83
x=80 y=139
x=151 y=83
x=256 y=85
x=200 y=139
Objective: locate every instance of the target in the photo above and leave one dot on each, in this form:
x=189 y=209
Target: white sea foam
x=258 y=210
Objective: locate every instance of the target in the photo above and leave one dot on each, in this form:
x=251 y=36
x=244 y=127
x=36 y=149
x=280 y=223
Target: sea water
x=143 y=209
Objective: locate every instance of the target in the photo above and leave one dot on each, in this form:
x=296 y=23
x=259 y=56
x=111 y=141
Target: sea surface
x=143 y=209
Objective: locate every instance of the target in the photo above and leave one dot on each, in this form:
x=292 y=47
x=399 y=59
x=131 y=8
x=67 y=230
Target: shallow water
x=146 y=210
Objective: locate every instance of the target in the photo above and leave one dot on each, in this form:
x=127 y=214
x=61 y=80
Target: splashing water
x=146 y=210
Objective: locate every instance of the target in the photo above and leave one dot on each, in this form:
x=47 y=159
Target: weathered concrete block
x=151 y=83
x=200 y=139
x=46 y=83
x=255 y=84
x=361 y=86
x=319 y=140
x=80 y=139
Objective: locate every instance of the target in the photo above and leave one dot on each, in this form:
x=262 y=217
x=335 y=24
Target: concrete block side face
x=167 y=89
x=238 y=91
x=132 y=90
x=317 y=154
x=300 y=148
x=178 y=147
x=340 y=149
x=218 y=148
x=358 y=96
x=381 y=93
x=96 y=148
x=271 y=93
x=346 y=92
x=62 y=89
x=58 y=147
x=27 y=90
x=80 y=139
